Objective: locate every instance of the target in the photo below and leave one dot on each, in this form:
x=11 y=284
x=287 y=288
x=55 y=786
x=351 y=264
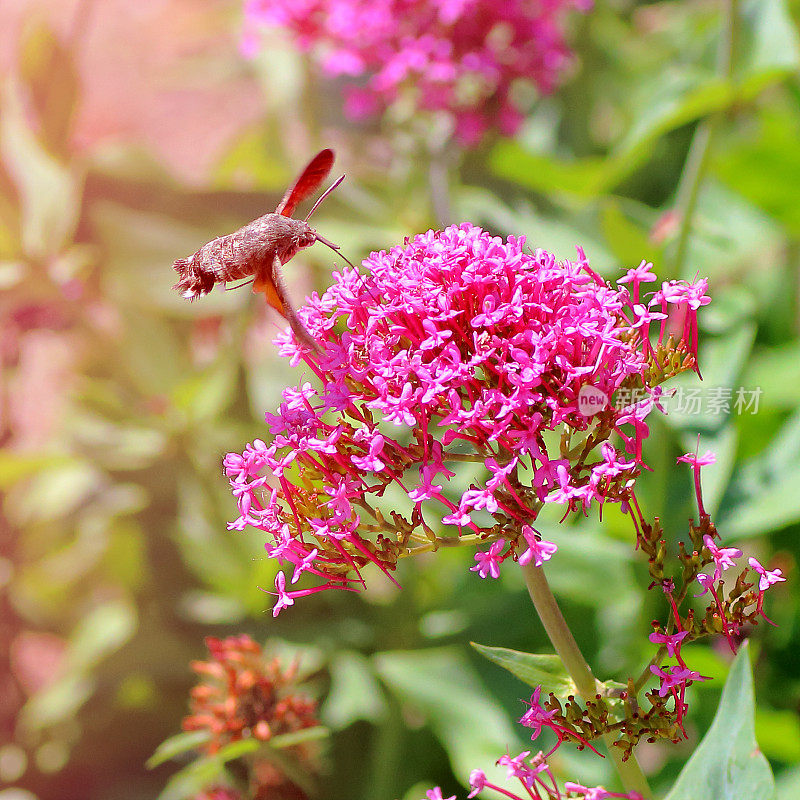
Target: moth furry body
x=241 y=254
x=260 y=248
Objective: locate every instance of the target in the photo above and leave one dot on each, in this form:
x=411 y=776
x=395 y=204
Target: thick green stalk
x=558 y=632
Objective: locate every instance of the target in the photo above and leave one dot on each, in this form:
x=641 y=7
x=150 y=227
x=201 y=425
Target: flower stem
x=697 y=160
x=558 y=632
x=439 y=180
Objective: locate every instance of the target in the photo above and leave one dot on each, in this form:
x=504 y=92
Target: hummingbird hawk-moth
x=261 y=247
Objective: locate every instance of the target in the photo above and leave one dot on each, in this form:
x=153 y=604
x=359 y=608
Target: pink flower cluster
x=455 y=347
x=674 y=680
x=537 y=781
x=458 y=56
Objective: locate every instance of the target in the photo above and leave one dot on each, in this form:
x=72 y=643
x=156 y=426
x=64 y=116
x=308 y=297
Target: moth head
x=306 y=236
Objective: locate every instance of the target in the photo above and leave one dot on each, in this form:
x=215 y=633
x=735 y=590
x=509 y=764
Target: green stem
x=385 y=759
x=439 y=182
x=697 y=160
x=558 y=632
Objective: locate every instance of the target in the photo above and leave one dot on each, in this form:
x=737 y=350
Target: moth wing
x=308 y=182
x=269 y=282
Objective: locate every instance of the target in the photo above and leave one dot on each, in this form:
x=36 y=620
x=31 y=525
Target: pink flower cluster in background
x=459 y=56
x=455 y=347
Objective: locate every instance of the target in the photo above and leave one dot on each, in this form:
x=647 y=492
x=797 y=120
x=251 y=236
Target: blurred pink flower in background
x=155 y=74
x=463 y=57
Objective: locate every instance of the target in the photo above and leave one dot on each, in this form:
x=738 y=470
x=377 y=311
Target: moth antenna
x=324 y=195
x=239 y=285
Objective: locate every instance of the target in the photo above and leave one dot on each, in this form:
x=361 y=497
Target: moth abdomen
x=218 y=261
x=193 y=282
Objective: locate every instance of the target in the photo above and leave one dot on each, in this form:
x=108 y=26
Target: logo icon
x=591 y=400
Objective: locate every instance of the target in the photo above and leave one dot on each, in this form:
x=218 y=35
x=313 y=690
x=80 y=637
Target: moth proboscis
x=261 y=247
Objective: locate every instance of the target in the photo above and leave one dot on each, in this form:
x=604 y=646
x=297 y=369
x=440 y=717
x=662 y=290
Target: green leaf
x=767 y=43
x=298 y=737
x=727 y=764
x=557 y=236
x=762 y=495
x=674 y=99
x=198 y=775
x=729 y=233
x=192 y=779
x=252 y=161
x=206 y=393
x=354 y=693
x=154 y=358
x=584 y=177
x=176 y=746
x=57 y=703
x=722 y=360
x=55 y=492
x=534 y=669
x=778 y=733
x=141 y=249
x=50 y=195
x=763 y=164
x=788 y=784
x=629 y=243
x=237 y=749
x=442 y=685
x=49 y=72
x=776 y=372
x=15 y=793
x=15 y=467
x=103 y=631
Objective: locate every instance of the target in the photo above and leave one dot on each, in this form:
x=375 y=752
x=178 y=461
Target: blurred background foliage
x=130 y=135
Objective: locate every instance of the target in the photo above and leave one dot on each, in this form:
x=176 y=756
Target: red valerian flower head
x=455 y=347
x=461 y=57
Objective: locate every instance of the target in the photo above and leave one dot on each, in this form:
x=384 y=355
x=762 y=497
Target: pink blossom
x=538 y=550
x=697 y=462
x=672 y=642
x=686 y=299
x=705 y=460
x=436 y=794
x=597 y=792
x=477 y=781
x=768 y=578
x=723 y=556
x=456 y=346
x=461 y=58
x=538 y=717
x=676 y=677
x=706 y=581
x=516 y=766
x=489 y=562
x=284 y=598
x=306 y=563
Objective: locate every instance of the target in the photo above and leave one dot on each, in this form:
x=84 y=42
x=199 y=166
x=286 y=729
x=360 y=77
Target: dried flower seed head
x=241 y=694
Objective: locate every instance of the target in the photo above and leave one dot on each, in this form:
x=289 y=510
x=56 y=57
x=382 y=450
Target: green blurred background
x=130 y=134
